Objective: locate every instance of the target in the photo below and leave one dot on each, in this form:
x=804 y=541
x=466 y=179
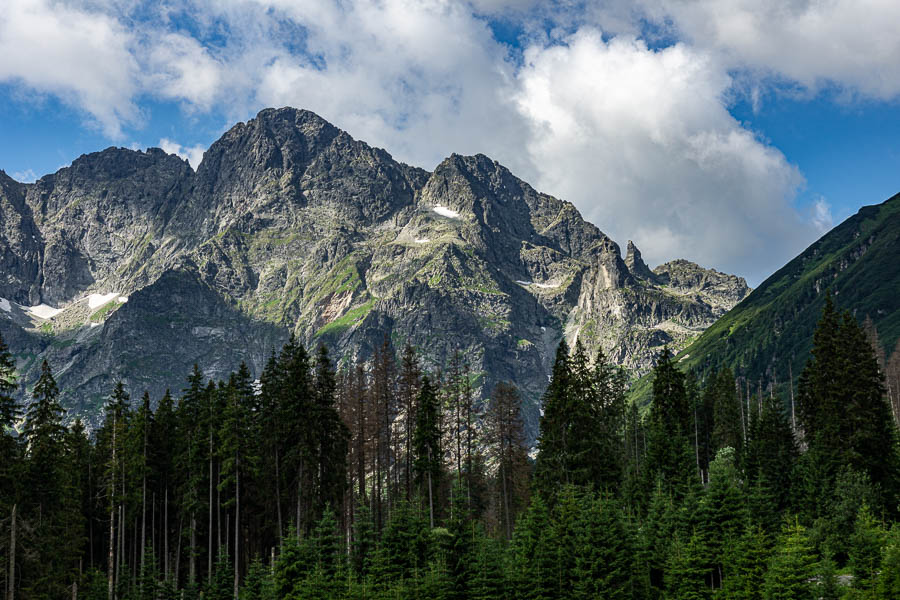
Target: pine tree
x=669 y=458
x=658 y=531
x=426 y=446
x=865 y=550
x=605 y=561
x=771 y=453
x=362 y=549
x=51 y=497
x=888 y=585
x=236 y=453
x=460 y=554
x=551 y=467
x=506 y=438
x=727 y=430
x=827 y=587
x=258 y=584
x=845 y=418
x=582 y=425
x=534 y=555
x=687 y=571
x=745 y=565
x=791 y=566
x=488 y=579
x=724 y=513
x=331 y=439
x=9 y=414
x=189 y=461
x=566 y=521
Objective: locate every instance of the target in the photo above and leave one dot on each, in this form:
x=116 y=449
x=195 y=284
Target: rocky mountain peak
x=289 y=225
x=636 y=264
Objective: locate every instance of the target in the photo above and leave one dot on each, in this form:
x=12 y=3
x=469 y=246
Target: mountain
x=768 y=335
x=129 y=265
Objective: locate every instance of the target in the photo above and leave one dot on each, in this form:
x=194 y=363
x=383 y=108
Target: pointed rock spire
x=636 y=264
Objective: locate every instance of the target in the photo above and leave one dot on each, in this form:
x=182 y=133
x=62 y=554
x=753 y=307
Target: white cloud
x=851 y=44
x=82 y=57
x=641 y=142
x=821 y=215
x=179 y=67
x=193 y=155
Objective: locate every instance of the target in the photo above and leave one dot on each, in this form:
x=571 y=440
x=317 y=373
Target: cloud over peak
x=586 y=105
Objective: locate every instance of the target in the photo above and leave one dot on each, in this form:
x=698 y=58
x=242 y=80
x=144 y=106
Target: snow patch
x=4 y=305
x=95 y=325
x=543 y=286
x=123 y=299
x=43 y=311
x=446 y=212
x=98 y=300
x=422 y=240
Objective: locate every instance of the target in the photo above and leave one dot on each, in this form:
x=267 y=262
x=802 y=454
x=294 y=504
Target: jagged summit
x=289 y=225
x=636 y=264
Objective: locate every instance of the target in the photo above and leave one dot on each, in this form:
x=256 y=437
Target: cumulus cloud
x=639 y=138
x=193 y=155
x=642 y=142
x=850 y=44
x=82 y=57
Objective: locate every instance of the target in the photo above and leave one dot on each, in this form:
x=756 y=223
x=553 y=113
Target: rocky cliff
x=129 y=265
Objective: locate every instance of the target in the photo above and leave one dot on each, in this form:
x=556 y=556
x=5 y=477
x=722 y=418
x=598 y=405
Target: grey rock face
x=289 y=225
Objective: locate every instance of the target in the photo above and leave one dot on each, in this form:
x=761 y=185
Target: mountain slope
x=130 y=265
x=859 y=261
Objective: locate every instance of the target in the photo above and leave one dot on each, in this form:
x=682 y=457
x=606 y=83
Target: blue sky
x=728 y=132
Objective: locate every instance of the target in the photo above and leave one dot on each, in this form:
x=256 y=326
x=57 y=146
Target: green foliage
x=583 y=424
x=791 y=566
x=857 y=259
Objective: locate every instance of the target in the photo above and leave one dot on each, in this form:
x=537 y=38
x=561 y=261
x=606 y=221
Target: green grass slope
x=859 y=261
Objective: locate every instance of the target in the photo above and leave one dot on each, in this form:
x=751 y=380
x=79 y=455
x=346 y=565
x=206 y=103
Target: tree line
x=382 y=480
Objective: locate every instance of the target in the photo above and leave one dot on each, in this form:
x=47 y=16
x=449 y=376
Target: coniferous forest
x=382 y=480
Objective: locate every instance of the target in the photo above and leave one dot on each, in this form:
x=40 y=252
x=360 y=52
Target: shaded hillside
x=859 y=261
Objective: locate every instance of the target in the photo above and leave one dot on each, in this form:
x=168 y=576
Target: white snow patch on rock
x=4 y=305
x=98 y=300
x=446 y=212
x=123 y=299
x=95 y=325
x=43 y=311
x=422 y=240
x=543 y=286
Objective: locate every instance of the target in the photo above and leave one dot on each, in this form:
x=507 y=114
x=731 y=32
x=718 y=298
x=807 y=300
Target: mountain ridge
x=289 y=225
x=768 y=335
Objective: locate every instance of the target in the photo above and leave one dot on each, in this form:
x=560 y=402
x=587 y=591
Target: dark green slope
x=859 y=261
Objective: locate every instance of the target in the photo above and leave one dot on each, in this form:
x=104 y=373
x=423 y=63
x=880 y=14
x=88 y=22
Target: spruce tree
x=534 y=555
x=669 y=458
x=605 y=560
x=9 y=415
x=551 y=467
x=791 y=567
x=845 y=418
x=488 y=579
x=745 y=565
x=687 y=572
x=865 y=550
x=888 y=584
x=426 y=446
